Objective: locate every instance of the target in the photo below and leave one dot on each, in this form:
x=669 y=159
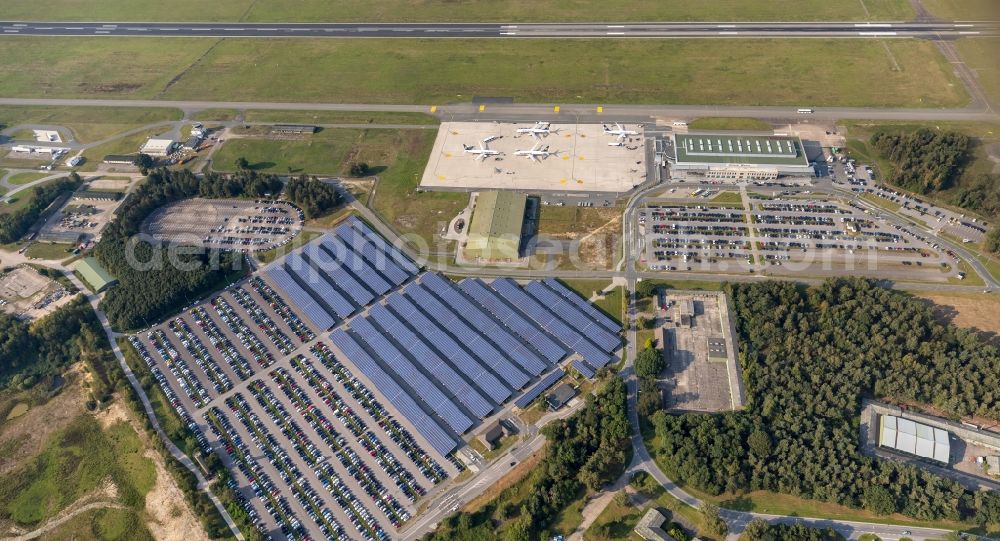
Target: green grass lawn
x=440 y=71
x=729 y=198
x=446 y=10
x=19 y=200
x=24 y=178
x=339 y=117
x=980 y=55
x=964 y=10
x=728 y=123
x=88 y=124
x=891 y=206
x=52 y=251
x=74 y=463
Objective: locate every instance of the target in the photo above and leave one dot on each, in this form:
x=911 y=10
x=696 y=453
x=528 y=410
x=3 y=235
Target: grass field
x=727 y=123
x=19 y=200
x=52 y=251
x=77 y=462
x=980 y=55
x=25 y=178
x=969 y=310
x=729 y=198
x=445 y=10
x=88 y=124
x=301 y=239
x=442 y=71
x=396 y=197
x=963 y=10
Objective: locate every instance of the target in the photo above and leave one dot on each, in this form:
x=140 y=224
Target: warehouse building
x=120 y=159
x=292 y=129
x=740 y=157
x=914 y=438
x=158 y=147
x=94 y=274
x=495 y=231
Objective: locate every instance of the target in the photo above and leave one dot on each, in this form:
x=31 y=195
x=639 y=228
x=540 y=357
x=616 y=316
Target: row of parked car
x=189 y=384
x=220 y=381
x=281 y=308
x=362 y=395
x=262 y=320
x=236 y=361
x=250 y=341
x=263 y=487
x=359 y=516
x=335 y=442
x=402 y=477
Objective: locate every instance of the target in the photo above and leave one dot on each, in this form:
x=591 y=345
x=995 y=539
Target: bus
x=805 y=111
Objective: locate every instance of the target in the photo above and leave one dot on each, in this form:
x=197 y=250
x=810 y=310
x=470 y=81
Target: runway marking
x=201 y=29
x=728 y=33
x=11 y=31
x=74 y=28
x=232 y=29
x=101 y=32
x=267 y=29
x=616 y=26
x=21 y=24
x=135 y=29
x=969 y=33
x=43 y=28
x=872 y=25
x=964 y=25
x=616 y=33
x=176 y=29
x=508 y=26
x=508 y=33
x=727 y=26
x=876 y=34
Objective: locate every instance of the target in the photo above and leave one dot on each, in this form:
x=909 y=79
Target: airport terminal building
x=735 y=158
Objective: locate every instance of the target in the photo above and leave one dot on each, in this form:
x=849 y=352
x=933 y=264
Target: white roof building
x=914 y=438
x=157 y=147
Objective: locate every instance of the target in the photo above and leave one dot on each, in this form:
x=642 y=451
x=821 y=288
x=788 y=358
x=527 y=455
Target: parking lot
x=226 y=224
x=88 y=217
x=785 y=235
x=960 y=226
x=313 y=450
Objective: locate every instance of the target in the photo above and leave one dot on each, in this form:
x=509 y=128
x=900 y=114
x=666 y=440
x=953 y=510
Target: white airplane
x=536 y=131
x=619 y=132
x=483 y=152
x=535 y=153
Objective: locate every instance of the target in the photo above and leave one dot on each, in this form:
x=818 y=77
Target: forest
x=809 y=358
x=14 y=225
x=924 y=160
x=152 y=280
x=584 y=451
x=311 y=195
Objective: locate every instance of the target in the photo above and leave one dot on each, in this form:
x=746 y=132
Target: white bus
x=805 y=111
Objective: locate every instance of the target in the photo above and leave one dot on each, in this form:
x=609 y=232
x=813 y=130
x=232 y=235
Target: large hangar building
x=734 y=157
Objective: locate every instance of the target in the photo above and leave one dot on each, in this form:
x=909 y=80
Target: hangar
x=495 y=231
x=158 y=147
x=94 y=274
x=736 y=157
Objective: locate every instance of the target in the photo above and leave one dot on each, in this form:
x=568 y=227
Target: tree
x=242 y=164
x=360 y=169
x=993 y=239
x=645 y=288
x=313 y=196
x=647 y=323
x=713 y=522
x=755 y=530
x=649 y=363
x=144 y=162
x=759 y=443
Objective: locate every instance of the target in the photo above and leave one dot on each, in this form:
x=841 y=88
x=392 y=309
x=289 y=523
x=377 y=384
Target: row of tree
x=15 y=224
x=584 y=451
x=809 y=357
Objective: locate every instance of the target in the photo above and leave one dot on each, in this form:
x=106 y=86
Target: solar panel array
x=341 y=273
x=400 y=399
x=445 y=355
x=539 y=388
x=434 y=335
x=513 y=319
x=595 y=356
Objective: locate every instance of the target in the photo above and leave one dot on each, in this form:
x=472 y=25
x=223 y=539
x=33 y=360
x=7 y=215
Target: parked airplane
x=537 y=131
x=620 y=132
x=483 y=152
x=535 y=153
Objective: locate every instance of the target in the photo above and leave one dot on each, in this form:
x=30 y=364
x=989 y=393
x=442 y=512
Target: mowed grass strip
x=449 y=10
x=722 y=72
x=88 y=124
x=980 y=55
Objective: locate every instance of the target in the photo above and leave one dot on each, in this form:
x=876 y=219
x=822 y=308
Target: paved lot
x=228 y=224
x=696 y=382
x=25 y=293
x=787 y=234
x=88 y=217
x=581 y=159
x=324 y=452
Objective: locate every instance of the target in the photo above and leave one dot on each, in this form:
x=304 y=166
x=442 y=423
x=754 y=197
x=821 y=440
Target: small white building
x=158 y=147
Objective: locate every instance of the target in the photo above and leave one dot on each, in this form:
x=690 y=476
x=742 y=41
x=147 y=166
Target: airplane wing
x=533 y=157
x=536 y=136
x=481 y=158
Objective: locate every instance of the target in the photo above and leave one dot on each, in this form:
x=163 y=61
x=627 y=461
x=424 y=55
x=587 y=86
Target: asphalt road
x=937 y=30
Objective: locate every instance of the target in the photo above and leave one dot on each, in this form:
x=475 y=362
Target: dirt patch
x=112 y=88
x=33 y=429
x=18 y=410
x=975 y=311
x=521 y=471
x=171 y=518
x=112 y=414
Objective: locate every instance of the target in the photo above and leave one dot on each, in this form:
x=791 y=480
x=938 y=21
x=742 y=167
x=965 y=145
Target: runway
x=944 y=30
